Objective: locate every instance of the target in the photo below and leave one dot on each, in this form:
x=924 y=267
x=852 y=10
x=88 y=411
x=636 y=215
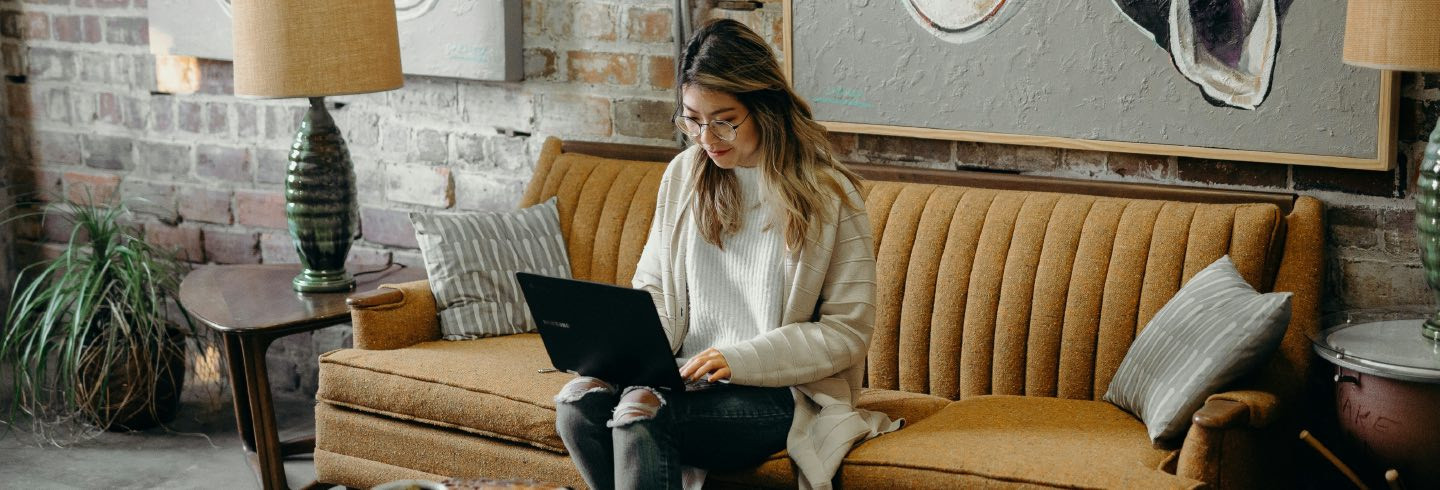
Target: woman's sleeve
x=800 y=353
x=649 y=268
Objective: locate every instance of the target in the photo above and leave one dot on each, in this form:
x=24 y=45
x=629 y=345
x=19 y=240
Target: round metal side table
x=1387 y=391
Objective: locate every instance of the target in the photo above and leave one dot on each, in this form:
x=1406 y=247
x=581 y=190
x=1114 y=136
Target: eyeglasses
x=725 y=130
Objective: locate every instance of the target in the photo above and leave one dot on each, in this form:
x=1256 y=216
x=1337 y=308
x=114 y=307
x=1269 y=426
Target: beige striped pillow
x=1215 y=330
x=472 y=259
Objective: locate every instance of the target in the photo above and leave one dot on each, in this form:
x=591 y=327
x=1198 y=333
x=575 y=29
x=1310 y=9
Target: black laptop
x=602 y=331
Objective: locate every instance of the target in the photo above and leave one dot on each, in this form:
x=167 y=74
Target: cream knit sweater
x=818 y=349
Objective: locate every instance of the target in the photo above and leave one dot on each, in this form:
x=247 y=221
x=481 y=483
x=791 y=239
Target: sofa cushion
x=487 y=386
x=1015 y=440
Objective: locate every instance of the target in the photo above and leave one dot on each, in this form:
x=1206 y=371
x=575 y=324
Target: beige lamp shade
x=315 y=48
x=1393 y=34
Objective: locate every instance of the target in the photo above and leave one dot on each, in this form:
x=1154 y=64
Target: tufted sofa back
x=994 y=291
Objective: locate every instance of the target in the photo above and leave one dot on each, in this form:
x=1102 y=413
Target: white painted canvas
x=471 y=39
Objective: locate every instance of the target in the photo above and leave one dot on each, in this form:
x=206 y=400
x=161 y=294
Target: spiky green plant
x=88 y=334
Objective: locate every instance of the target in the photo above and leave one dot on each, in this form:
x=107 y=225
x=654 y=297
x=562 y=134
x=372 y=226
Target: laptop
x=603 y=331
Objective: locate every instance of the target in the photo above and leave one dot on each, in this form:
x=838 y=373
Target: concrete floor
x=180 y=459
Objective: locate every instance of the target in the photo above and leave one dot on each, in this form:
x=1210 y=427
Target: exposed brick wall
x=81 y=113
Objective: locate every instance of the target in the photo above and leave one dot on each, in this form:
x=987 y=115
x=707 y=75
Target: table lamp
x=312 y=49
x=1404 y=35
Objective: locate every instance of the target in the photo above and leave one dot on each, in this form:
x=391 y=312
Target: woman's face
x=707 y=106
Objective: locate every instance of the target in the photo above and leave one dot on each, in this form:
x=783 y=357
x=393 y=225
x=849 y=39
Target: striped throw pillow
x=1215 y=330
x=472 y=259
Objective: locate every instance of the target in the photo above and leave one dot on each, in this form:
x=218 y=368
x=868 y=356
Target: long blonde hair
x=725 y=56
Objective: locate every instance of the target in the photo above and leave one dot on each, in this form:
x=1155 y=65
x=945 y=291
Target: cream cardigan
x=819 y=349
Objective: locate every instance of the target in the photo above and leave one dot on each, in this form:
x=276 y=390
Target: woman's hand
x=709 y=362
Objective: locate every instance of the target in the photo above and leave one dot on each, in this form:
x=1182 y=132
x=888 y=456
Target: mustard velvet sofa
x=1005 y=305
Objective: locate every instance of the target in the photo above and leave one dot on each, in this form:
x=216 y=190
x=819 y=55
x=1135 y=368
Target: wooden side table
x=250 y=306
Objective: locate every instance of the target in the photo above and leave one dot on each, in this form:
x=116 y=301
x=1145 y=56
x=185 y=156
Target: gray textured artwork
x=1080 y=69
x=474 y=39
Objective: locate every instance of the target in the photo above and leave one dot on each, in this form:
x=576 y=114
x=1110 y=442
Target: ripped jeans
x=641 y=437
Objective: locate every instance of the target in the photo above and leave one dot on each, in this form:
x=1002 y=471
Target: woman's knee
x=638 y=403
x=579 y=387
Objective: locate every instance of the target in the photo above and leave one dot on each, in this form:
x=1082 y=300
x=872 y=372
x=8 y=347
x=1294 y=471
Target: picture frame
x=842 y=108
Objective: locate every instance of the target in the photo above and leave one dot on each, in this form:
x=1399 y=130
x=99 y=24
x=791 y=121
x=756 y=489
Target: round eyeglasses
x=725 y=130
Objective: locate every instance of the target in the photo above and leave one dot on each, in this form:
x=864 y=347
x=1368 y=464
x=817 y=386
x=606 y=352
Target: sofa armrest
x=1234 y=409
x=1227 y=443
x=394 y=316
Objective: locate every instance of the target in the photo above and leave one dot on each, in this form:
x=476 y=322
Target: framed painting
x=1249 y=80
x=471 y=39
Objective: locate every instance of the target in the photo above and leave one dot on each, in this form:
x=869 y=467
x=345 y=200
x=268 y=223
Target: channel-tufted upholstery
x=981 y=292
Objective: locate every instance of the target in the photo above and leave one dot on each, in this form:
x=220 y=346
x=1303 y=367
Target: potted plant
x=89 y=338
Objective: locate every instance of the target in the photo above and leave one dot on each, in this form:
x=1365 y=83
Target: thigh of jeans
x=732 y=426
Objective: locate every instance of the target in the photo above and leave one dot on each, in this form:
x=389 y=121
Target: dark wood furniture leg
x=271 y=466
x=235 y=364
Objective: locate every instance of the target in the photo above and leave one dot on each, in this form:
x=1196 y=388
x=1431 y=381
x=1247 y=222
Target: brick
x=661 y=72
x=430 y=146
x=51 y=64
x=86 y=107
x=649 y=25
x=217 y=77
x=362 y=130
x=1378 y=284
x=282 y=122
x=36 y=184
x=1232 y=173
x=394 y=137
x=843 y=144
x=271 y=165
x=1398 y=229
x=108 y=152
x=425 y=185
x=67 y=28
x=162 y=108
x=556 y=19
x=247 y=121
x=10 y=24
x=37 y=25
x=510 y=153
x=575 y=115
x=227 y=247
x=53 y=228
x=278 y=248
x=88 y=188
x=1353 y=227
x=370 y=180
x=192 y=116
x=532 y=17
x=983 y=155
x=111 y=4
x=470 y=151
x=108 y=110
x=594 y=21
x=540 y=64
x=187 y=243
x=894 y=148
x=1366 y=182
x=491 y=191
x=217 y=118
x=137 y=112
x=55 y=148
x=365 y=259
x=201 y=204
x=163 y=158
x=15 y=64
x=133 y=31
x=504 y=107
x=644 y=118
x=20 y=101
x=226 y=163
x=387 y=227
x=606 y=68
x=260 y=208
x=151 y=197
x=433 y=97
x=1152 y=167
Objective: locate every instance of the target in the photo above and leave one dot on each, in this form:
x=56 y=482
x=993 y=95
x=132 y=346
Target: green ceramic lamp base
x=316 y=281
x=1427 y=226
x=320 y=202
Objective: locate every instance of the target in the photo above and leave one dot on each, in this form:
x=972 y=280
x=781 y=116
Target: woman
x=761 y=264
